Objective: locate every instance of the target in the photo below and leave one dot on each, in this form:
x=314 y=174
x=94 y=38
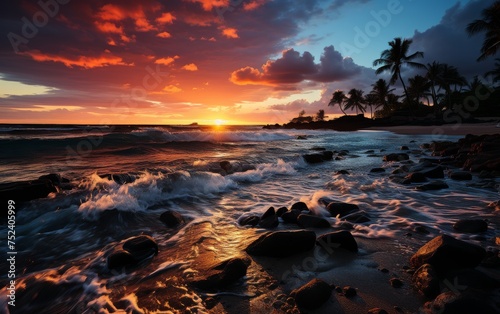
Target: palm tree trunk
x=406 y=94
x=340 y=106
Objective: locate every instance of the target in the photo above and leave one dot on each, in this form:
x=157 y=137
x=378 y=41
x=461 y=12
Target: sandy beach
x=448 y=129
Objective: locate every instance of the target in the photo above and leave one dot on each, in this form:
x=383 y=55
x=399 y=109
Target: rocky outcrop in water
x=172 y=219
x=339 y=239
x=282 y=243
x=132 y=252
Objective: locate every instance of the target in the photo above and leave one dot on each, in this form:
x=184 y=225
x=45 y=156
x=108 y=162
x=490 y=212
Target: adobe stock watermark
x=372 y=28
x=122 y=105
x=29 y=29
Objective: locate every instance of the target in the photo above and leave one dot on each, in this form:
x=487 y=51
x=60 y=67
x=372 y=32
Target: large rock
x=426 y=281
x=120 y=259
x=249 y=221
x=471 y=226
x=24 y=191
x=416 y=177
x=171 y=219
x=435 y=173
x=120 y=178
x=313 y=294
x=133 y=251
x=445 y=252
x=223 y=274
x=338 y=239
x=433 y=186
x=311 y=221
x=269 y=219
x=290 y=216
x=282 y=243
x=300 y=206
x=461 y=176
x=457 y=302
x=318 y=157
x=341 y=209
x=396 y=157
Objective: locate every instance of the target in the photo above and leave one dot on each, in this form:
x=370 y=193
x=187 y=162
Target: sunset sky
x=183 y=61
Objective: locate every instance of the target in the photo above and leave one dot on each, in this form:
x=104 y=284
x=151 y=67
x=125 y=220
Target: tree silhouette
x=371 y=101
x=381 y=90
x=495 y=73
x=338 y=98
x=320 y=116
x=355 y=100
x=490 y=24
x=434 y=75
x=418 y=88
x=394 y=58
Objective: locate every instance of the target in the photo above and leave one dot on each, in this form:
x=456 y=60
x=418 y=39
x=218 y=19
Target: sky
x=230 y=61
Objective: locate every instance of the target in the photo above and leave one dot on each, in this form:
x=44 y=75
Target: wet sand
x=448 y=129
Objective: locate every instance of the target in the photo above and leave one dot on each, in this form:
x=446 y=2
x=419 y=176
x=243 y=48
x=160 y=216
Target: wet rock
x=435 y=173
x=357 y=217
x=291 y=216
x=120 y=259
x=311 y=221
x=404 y=147
x=327 y=155
x=120 y=178
x=377 y=170
x=433 y=186
x=269 y=219
x=318 y=157
x=299 y=206
x=226 y=166
x=421 y=229
x=445 y=252
x=341 y=209
x=461 y=303
x=377 y=310
x=339 y=239
x=55 y=178
x=249 y=221
x=141 y=247
x=172 y=219
x=24 y=191
x=313 y=294
x=282 y=243
x=471 y=278
x=281 y=211
x=342 y=172
x=349 y=292
x=396 y=157
x=461 y=175
x=416 y=177
x=396 y=282
x=224 y=274
x=471 y=226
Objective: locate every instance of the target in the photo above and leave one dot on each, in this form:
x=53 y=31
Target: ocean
x=62 y=241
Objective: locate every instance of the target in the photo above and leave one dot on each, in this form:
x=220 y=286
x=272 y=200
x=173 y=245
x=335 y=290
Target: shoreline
x=445 y=129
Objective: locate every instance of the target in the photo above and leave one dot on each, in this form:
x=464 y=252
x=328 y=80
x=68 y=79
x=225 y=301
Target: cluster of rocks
x=226 y=167
x=476 y=153
x=445 y=273
x=323 y=155
x=300 y=215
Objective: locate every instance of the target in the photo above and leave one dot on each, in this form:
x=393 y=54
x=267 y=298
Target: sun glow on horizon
x=219 y=122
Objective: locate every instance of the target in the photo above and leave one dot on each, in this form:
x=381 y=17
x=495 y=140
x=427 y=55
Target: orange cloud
x=111 y=12
x=164 y=35
x=108 y=27
x=166 y=18
x=208 y=5
x=190 y=67
x=171 y=89
x=249 y=6
x=247 y=76
x=166 y=61
x=230 y=33
x=80 y=61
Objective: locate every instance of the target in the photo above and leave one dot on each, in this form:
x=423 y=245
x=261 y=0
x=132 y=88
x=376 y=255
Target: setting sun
x=218 y=122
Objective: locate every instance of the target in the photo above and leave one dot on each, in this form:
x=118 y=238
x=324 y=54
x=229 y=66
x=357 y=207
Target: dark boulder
x=313 y=158
x=327 y=155
x=426 y=281
x=313 y=294
x=269 y=219
x=172 y=219
x=445 y=252
x=396 y=282
x=299 y=206
x=342 y=172
x=226 y=166
x=338 y=239
x=290 y=216
x=24 y=191
x=377 y=170
x=311 y=221
x=282 y=243
x=435 y=173
x=120 y=259
x=281 y=211
x=466 y=302
x=396 y=157
x=120 y=178
x=341 y=209
x=471 y=225
x=416 y=177
x=404 y=147
x=461 y=176
x=223 y=274
x=433 y=186
x=349 y=292
x=249 y=221
x=141 y=247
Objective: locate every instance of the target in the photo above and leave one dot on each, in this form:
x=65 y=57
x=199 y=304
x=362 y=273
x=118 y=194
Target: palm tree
x=371 y=101
x=355 y=100
x=418 y=88
x=394 y=58
x=434 y=75
x=320 y=116
x=381 y=91
x=490 y=24
x=451 y=77
x=495 y=73
x=338 y=97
